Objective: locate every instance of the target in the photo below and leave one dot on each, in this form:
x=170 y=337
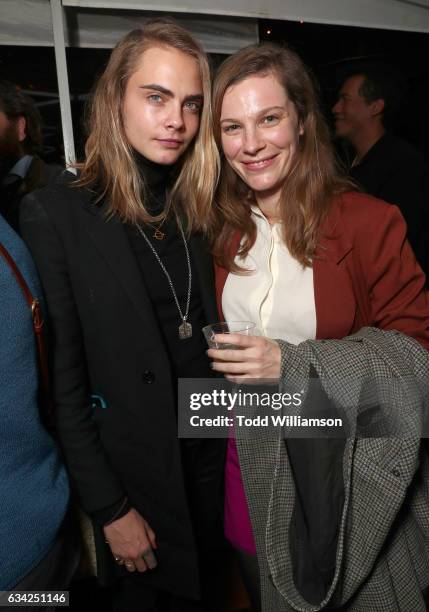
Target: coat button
x=97 y=401
x=148 y=377
x=396 y=472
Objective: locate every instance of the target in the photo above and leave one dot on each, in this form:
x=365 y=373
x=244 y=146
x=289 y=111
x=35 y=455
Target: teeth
x=257 y=163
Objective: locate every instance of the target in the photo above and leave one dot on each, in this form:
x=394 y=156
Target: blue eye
x=233 y=127
x=270 y=119
x=155 y=98
x=194 y=107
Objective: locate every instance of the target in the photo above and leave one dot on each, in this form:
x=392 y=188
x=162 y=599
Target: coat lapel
x=111 y=240
x=333 y=293
x=204 y=265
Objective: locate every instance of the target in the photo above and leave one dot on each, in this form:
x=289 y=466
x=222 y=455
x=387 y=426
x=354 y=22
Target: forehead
x=352 y=85
x=254 y=93
x=168 y=67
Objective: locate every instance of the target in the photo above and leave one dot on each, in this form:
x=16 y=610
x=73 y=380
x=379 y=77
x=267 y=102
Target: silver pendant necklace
x=185 y=328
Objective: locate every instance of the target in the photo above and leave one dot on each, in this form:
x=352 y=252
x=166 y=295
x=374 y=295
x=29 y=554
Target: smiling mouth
x=259 y=164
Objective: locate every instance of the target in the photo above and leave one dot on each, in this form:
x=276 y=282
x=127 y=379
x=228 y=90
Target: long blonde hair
x=314 y=178
x=110 y=168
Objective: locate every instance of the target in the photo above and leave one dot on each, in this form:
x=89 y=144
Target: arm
x=410 y=194
x=94 y=478
x=97 y=485
x=392 y=277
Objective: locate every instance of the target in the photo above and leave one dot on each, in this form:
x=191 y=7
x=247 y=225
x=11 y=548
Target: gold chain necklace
x=158 y=234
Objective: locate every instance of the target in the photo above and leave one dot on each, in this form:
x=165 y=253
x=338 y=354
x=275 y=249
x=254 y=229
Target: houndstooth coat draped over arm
x=382 y=555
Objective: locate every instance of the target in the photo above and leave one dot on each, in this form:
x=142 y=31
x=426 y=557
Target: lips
x=170 y=143
x=258 y=164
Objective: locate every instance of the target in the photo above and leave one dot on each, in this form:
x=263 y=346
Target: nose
x=337 y=107
x=253 y=142
x=174 y=119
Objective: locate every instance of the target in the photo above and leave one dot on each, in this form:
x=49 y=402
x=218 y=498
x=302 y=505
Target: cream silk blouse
x=278 y=294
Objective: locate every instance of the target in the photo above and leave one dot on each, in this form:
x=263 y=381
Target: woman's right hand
x=132 y=541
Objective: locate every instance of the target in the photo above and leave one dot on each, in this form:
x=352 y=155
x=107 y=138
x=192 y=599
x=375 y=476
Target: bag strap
x=17 y=273
x=37 y=316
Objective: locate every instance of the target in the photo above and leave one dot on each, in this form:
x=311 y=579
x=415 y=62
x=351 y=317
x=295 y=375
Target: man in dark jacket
x=21 y=169
x=384 y=165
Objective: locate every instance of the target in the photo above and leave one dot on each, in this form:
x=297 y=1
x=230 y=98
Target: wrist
x=107 y=515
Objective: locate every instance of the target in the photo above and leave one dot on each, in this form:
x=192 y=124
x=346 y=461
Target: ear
x=21 y=128
x=377 y=107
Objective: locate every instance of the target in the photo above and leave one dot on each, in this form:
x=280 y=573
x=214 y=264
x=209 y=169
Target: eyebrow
x=169 y=93
x=262 y=112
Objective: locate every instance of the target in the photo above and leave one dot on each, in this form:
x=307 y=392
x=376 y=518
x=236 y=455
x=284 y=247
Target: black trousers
x=132 y=595
x=249 y=570
x=199 y=467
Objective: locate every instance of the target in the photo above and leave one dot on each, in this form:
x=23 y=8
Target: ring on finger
x=149 y=557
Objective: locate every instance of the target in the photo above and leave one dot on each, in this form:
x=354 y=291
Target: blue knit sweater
x=34 y=489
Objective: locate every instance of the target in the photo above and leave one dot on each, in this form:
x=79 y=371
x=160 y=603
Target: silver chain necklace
x=185 y=328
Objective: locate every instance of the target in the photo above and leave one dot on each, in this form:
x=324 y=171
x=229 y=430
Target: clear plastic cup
x=246 y=328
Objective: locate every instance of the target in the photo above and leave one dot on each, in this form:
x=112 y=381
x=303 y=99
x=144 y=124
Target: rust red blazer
x=364 y=272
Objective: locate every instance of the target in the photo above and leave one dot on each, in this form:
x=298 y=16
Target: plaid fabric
x=382 y=558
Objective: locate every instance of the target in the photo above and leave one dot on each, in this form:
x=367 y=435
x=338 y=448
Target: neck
x=269 y=206
x=366 y=139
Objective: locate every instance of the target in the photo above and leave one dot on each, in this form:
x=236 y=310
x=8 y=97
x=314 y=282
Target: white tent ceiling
x=28 y=22
x=389 y=14
x=223 y=26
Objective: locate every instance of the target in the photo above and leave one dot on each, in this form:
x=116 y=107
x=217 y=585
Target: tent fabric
x=410 y=15
x=29 y=22
x=222 y=26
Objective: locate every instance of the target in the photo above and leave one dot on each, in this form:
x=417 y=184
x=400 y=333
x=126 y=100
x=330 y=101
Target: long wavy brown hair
x=110 y=167
x=314 y=178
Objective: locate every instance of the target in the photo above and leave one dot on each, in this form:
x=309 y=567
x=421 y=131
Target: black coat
x=107 y=342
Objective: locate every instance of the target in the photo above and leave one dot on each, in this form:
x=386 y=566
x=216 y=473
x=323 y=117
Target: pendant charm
x=185 y=330
x=158 y=234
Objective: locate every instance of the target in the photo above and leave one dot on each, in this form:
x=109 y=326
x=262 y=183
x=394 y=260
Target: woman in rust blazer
x=305 y=257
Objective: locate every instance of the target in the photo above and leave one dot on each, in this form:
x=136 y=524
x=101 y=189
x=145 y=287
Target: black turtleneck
x=157 y=179
x=187 y=357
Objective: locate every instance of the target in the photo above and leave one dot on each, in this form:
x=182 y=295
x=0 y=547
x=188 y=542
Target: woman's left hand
x=255 y=357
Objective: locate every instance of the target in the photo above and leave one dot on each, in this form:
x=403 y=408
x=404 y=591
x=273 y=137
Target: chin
x=341 y=131
x=261 y=186
x=163 y=158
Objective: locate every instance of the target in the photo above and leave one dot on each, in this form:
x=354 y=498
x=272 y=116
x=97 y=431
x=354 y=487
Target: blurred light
x=301 y=21
x=268 y=31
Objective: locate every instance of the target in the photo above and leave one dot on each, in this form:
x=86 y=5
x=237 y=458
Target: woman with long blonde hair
x=304 y=257
x=129 y=284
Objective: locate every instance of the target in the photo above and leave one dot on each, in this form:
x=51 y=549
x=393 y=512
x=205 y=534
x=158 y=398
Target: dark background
x=327 y=49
